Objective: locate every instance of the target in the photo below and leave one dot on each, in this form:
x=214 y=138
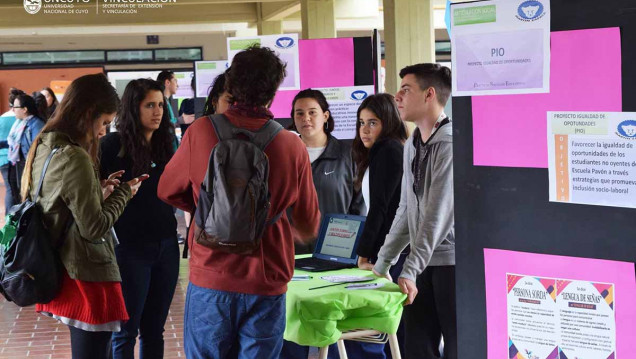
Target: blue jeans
x=149 y=273
x=221 y=324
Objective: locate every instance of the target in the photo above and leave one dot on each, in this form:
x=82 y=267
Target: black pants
x=15 y=178
x=149 y=273
x=432 y=315
x=90 y=345
x=8 y=197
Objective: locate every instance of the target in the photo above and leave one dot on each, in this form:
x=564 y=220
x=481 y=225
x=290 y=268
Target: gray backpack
x=234 y=200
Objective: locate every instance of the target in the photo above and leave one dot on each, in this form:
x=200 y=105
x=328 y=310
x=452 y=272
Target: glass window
x=178 y=55
x=54 y=57
x=129 y=55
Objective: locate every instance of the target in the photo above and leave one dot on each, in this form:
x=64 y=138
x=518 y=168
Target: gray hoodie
x=426 y=223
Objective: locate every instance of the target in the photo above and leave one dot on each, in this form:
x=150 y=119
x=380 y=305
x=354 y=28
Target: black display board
x=508 y=208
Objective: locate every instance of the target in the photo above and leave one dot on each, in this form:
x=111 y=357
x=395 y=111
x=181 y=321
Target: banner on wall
x=541 y=306
x=205 y=74
x=592 y=158
x=500 y=47
x=120 y=79
x=285 y=46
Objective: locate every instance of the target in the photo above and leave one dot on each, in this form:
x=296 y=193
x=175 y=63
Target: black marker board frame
x=508 y=208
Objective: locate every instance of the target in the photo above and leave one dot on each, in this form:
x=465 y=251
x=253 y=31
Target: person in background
x=186 y=110
x=78 y=218
x=20 y=139
x=377 y=151
x=7 y=121
x=148 y=253
x=170 y=85
x=219 y=100
x=40 y=103
x=235 y=305
x=51 y=101
x=424 y=219
x=333 y=173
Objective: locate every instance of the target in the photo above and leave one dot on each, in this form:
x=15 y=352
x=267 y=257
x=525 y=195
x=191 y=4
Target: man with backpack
x=242 y=250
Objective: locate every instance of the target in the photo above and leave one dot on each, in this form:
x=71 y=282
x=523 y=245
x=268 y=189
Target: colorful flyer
x=205 y=74
x=343 y=104
x=592 y=158
x=500 y=47
x=552 y=318
x=558 y=307
x=285 y=46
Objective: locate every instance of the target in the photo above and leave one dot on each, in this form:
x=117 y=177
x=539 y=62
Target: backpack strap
x=44 y=168
x=261 y=138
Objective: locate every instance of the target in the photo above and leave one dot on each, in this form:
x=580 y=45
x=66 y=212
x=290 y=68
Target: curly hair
x=384 y=107
x=254 y=76
x=216 y=90
x=28 y=102
x=129 y=126
x=322 y=102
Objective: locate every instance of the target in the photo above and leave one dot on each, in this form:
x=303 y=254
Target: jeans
x=149 y=273
x=221 y=324
x=8 y=196
x=15 y=176
x=432 y=315
x=90 y=345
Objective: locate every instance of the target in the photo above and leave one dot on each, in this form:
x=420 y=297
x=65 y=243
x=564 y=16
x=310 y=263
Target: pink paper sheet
x=323 y=63
x=585 y=75
x=326 y=62
x=499 y=262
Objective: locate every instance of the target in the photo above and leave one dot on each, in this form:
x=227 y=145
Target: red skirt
x=88 y=302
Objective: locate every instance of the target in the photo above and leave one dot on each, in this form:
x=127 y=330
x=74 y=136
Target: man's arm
x=398 y=237
x=175 y=187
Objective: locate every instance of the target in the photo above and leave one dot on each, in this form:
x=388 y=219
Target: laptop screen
x=339 y=237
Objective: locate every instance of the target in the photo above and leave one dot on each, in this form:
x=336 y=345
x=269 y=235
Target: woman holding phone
x=148 y=252
x=78 y=218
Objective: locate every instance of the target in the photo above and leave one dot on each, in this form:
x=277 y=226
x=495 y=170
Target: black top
x=146 y=218
x=187 y=107
x=385 y=182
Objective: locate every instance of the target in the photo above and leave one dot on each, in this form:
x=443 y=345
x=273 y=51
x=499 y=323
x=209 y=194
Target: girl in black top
x=377 y=151
x=148 y=253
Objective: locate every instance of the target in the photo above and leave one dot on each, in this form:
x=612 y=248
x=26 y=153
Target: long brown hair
x=384 y=107
x=85 y=100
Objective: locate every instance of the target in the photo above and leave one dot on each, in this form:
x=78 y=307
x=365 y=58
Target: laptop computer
x=336 y=244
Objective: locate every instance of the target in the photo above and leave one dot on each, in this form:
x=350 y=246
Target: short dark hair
x=163 y=76
x=13 y=93
x=216 y=90
x=322 y=102
x=254 y=76
x=28 y=102
x=431 y=75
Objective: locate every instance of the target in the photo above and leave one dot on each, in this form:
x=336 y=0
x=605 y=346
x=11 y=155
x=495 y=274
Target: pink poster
x=547 y=307
x=585 y=75
x=323 y=63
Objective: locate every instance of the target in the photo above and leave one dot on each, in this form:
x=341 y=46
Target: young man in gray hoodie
x=424 y=218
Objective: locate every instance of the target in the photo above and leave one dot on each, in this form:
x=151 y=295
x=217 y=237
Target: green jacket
x=71 y=190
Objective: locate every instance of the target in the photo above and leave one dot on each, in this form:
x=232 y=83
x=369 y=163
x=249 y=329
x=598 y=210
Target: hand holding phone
x=136 y=182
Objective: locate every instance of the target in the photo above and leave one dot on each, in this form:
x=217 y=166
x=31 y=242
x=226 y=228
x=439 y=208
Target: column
x=409 y=37
x=318 y=19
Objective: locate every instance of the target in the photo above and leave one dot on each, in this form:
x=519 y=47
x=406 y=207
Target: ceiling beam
x=276 y=11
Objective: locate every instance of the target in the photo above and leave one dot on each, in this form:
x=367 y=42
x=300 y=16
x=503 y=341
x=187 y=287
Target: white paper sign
x=285 y=46
x=592 y=158
x=343 y=104
x=205 y=73
x=500 y=47
x=550 y=318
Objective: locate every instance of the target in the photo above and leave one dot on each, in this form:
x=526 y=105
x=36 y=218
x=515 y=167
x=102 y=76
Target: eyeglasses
x=11 y=106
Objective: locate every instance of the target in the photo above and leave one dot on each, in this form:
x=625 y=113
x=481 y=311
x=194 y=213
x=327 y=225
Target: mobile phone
x=143 y=177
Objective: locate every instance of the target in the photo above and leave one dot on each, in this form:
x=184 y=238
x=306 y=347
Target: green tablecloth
x=318 y=317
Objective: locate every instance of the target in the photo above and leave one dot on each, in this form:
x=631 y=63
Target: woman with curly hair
x=148 y=253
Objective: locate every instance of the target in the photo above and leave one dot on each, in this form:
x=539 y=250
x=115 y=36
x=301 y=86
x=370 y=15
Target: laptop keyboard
x=318 y=263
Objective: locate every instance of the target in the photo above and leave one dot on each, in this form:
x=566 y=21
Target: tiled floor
x=27 y=334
